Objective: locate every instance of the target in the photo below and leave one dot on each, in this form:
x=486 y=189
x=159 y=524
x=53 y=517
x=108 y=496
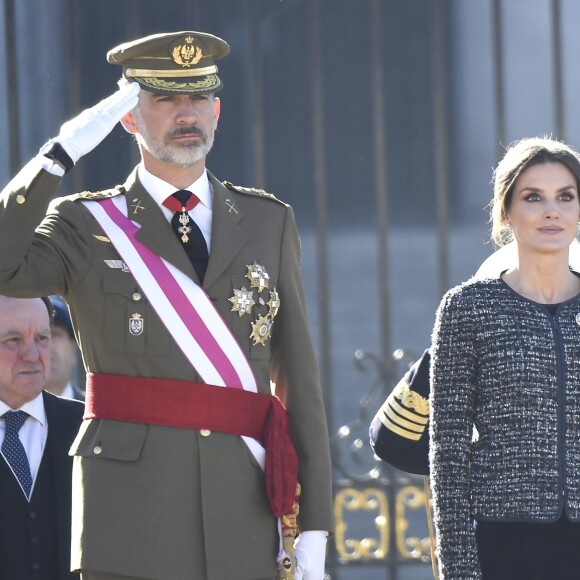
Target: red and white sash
x=184 y=308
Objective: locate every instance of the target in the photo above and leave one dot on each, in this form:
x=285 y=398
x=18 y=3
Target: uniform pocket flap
x=110 y=440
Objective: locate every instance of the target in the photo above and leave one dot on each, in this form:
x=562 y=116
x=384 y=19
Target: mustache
x=191 y=130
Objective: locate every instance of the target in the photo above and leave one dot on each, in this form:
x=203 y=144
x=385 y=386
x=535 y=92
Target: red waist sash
x=192 y=405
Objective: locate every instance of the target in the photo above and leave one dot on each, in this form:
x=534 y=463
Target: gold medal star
x=261 y=329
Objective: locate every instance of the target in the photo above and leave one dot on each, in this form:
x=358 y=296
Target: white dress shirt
x=160 y=190
x=32 y=434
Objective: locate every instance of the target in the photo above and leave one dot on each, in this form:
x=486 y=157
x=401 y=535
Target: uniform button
x=20 y=199
x=34 y=540
x=136 y=296
x=97 y=450
x=205 y=432
x=32 y=515
x=36 y=566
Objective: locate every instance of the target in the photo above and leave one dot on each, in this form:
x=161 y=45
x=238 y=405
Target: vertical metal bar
x=380 y=153
x=76 y=177
x=558 y=82
x=257 y=84
x=440 y=137
x=497 y=29
x=12 y=97
x=321 y=195
x=380 y=161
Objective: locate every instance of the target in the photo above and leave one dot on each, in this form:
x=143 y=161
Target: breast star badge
x=261 y=330
x=242 y=300
x=273 y=303
x=258 y=277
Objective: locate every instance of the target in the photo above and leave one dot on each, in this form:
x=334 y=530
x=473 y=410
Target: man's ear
x=128 y=123
x=216 y=109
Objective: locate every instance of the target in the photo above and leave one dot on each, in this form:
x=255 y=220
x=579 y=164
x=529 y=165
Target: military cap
x=172 y=63
x=399 y=432
x=61 y=316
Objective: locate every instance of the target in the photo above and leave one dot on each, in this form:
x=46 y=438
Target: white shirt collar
x=34 y=408
x=160 y=190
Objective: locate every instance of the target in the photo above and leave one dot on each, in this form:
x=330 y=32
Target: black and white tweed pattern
x=505 y=416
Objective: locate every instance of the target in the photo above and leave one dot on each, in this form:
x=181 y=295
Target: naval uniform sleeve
x=451 y=428
x=399 y=432
x=295 y=372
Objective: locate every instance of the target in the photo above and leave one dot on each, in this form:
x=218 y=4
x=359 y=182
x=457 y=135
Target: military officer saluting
x=188 y=305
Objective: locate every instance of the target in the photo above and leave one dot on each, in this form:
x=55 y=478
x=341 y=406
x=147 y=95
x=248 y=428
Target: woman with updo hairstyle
x=505 y=386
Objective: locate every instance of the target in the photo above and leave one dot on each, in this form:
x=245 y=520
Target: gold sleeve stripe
x=402 y=432
x=410 y=425
x=415 y=417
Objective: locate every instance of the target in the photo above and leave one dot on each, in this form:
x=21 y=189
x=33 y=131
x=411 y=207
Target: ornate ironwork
x=379 y=511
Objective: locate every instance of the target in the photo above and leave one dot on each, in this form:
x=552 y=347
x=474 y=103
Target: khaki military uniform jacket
x=160 y=502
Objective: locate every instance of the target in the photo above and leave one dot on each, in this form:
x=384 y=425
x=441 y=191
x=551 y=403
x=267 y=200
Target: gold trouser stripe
x=147 y=72
x=399 y=431
x=414 y=417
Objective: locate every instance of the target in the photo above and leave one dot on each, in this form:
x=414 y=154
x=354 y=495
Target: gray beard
x=179 y=156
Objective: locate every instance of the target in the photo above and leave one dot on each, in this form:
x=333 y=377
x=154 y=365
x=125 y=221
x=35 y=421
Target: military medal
x=117 y=264
x=274 y=303
x=261 y=330
x=242 y=300
x=136 y=324
x=258 y=277
x=184 y=229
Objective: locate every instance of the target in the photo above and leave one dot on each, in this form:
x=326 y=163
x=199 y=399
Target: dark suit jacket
x=163 y=502
x=64 y=417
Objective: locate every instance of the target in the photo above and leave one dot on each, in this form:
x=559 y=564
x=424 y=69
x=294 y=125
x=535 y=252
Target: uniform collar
x=160 y=190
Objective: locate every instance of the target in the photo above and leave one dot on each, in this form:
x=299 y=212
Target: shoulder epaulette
x=94 y=195
x=252 y=191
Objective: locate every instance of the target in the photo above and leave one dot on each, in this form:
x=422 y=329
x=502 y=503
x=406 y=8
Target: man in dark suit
x=36 y=432
x=188 y=462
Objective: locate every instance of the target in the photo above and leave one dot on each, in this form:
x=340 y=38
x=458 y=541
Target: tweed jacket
x=505 y=402
x=152 y=501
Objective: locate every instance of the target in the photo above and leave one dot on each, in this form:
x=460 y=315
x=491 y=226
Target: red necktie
x=187 y=230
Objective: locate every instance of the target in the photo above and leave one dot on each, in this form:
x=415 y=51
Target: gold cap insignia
x=186 y=54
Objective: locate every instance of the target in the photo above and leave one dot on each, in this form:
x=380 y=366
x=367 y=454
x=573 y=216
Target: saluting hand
x=82 y=134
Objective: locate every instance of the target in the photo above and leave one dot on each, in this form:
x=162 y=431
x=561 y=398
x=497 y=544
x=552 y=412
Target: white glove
x=82 y=134
x=310 y=551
